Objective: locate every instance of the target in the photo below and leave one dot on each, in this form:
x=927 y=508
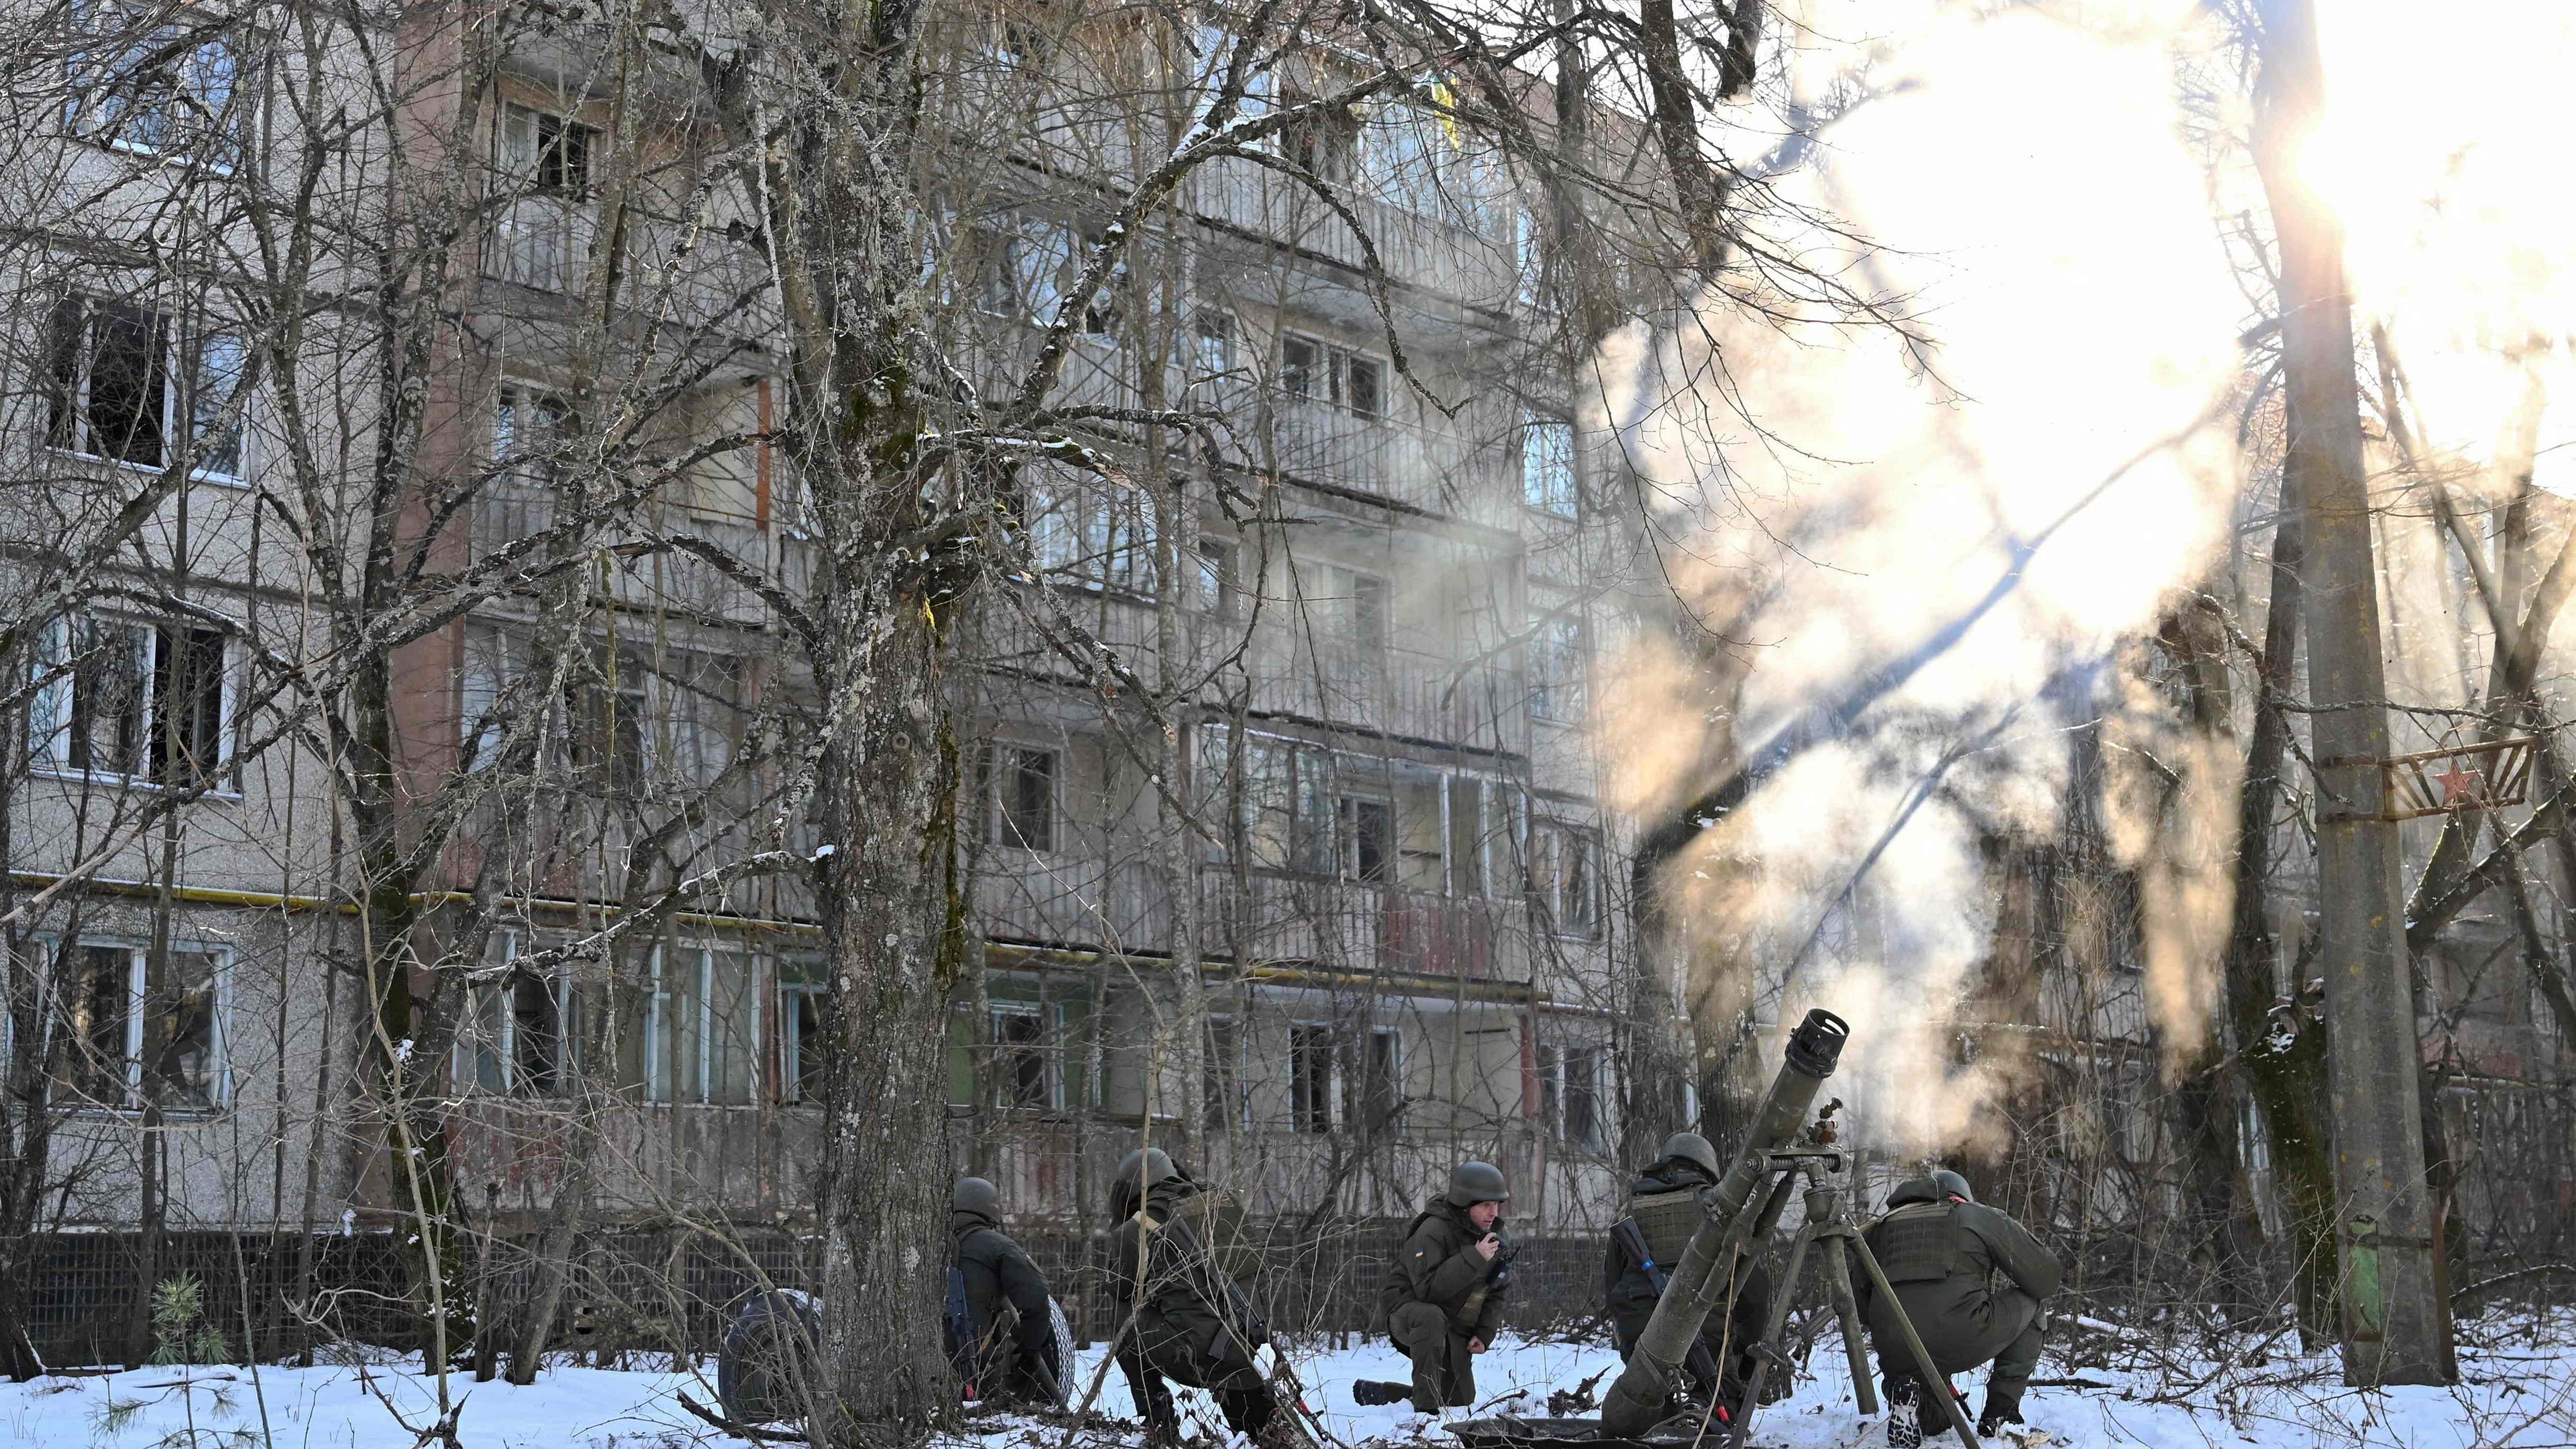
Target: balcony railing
x=510 y=508
x=1420 y=466
x=1425 y=251
x=1348 y=926
x=1334 y=925
x=541 y=242
x=1398 y=692
x=689 y=581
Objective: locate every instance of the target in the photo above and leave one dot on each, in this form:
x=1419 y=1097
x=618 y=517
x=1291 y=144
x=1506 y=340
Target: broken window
x=129 y=1035
x=123 y=698
x=1312 y=1073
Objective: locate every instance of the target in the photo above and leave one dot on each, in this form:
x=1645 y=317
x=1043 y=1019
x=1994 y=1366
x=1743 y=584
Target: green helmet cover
x=1474 y=1182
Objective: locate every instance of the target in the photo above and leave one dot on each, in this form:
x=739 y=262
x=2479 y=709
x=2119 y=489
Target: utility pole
x=2396 y=1322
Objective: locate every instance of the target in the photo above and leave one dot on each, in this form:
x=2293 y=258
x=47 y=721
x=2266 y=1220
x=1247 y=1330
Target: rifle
x=965 y=1348
x=1290 y=1394
x=1702 y=1363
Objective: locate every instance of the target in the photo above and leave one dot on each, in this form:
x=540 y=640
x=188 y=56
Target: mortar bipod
x=1831 y=1218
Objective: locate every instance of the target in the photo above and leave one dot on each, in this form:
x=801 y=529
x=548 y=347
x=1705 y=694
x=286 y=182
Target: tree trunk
x=892 y=923
x=2396 y=1328
x=2283 y=1062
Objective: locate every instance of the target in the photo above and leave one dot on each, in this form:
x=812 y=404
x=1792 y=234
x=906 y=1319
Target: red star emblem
x=2460 y=785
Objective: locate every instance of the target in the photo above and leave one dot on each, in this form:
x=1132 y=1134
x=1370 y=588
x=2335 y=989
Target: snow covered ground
x=2518 y=1392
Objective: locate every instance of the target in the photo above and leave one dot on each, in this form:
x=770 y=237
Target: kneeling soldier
x=1444 y=1292
x=1940 y=1250
x=1646 y=1243
x=1009 y=1350
x=1181 y=1317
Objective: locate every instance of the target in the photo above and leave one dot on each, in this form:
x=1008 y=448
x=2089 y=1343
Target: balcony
x=1423 y=251
x=1425 y=467
x=542 y=242
x=510 y=508
x=1349 y=927
x=1395 y=692
x=1333 y=925
x=689 y=582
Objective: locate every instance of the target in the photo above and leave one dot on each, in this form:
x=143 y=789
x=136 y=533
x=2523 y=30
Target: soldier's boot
x=1162 y=1420
x=1379 y=1391
x=2003 y=1406
x=1904 y=1414
x=1936 y=1419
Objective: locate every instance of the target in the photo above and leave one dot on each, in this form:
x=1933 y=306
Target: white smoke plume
x=2049 y=478
x=2042 y=479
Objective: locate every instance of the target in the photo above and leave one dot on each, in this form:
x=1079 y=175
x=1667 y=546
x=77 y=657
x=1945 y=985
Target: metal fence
x=665 y=1290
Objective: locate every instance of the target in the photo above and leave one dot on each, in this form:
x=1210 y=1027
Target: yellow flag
x=1446 y=98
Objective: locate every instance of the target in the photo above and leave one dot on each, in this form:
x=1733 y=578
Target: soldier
x=1940 y=1250
x=1181 y=1317
x=1662 y=1212
x=1443 y=1297
x=1002 y=1329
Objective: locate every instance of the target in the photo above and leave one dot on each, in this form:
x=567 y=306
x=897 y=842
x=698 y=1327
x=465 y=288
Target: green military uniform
x=1440 y=1294
x=1942 y=1257
x=1182 y=1318
x=1013 y=1351
x=1664 y=1204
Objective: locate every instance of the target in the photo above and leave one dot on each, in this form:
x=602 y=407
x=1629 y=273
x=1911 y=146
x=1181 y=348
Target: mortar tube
x=1636 y=1403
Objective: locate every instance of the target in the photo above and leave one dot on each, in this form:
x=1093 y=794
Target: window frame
x=1049 y=1017
x=609 y=745
x=55 y=710
x=93 y=84
x=485 y=673
x=1551 y=475
x=1560 y=891
x=1097 y=537
x=656 y=1067
x=1560 y=667
x=1350 y=838
x=549 y=144
x=1530 y=258
x=1315 y=1109
x=1220 y=583
x=554 y=988
x=798 y=989
x=710 y=1036
x=660 y=1084
x=1027 y=266
x=1379 y=1096
x=510 y=400
x=1338 y=368
x=1003 y=763
x=1549 y=1067
x=1582 y=1083
x=174 y=364
x=53 y=947
x=1210 y=344
x=502 y=989
x=1372 y=612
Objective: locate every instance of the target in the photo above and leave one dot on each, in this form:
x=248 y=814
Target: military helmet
x=1152 y=1164
x=1692 y=1148
x=1474 y=1182
x=975 y=1195
x=1953 y=1185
